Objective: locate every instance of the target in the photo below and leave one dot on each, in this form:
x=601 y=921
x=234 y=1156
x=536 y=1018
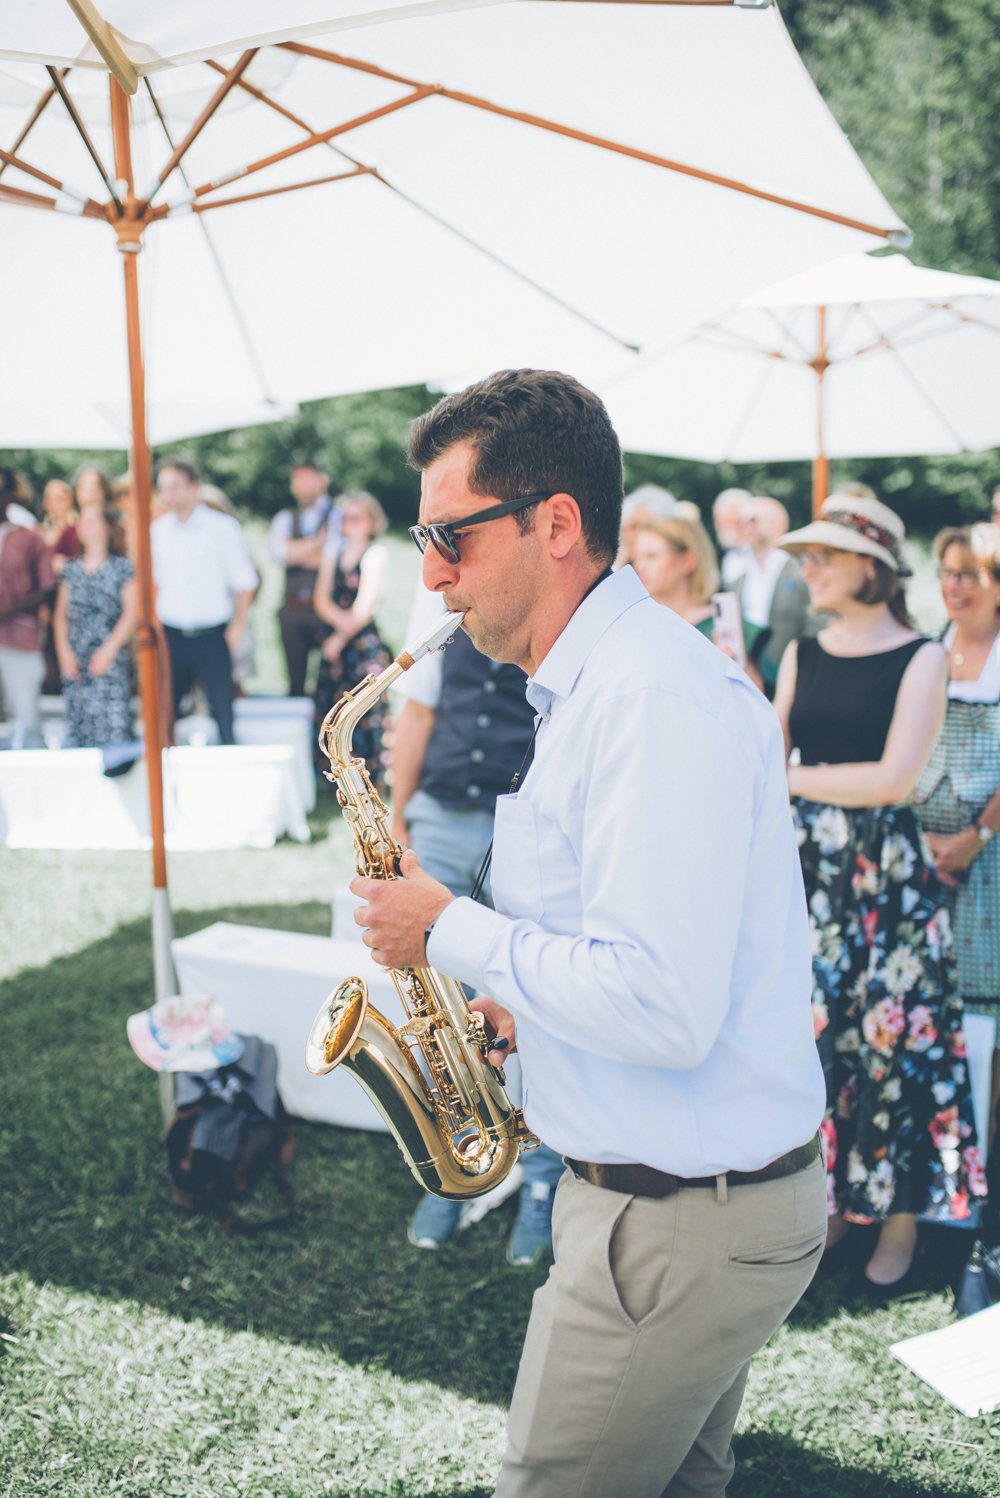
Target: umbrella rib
x=911 y=327
x=807 y=353
x=539 y=122
x=231 y=78
x=429 y=213
x=8 y=158
x=18 y=197
x=742 y=420
x=274 y=192
x=227 y=289
x=917 y=384
x=416 y=97
x=74 y=114
x=44 y=100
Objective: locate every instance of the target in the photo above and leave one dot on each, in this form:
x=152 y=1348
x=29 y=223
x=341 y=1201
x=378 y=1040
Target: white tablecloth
x=271 y=984
x=232 y=796
x=265 y=720
x=229 y=797
x=61 y=798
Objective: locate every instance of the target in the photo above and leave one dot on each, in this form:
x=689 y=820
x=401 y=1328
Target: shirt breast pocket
x=516 y=868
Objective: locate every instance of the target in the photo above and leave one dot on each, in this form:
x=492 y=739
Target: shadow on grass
x=86 y=1202
x=772 y=1466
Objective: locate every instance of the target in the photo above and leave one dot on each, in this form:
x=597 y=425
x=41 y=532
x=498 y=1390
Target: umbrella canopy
x=863 y=357
x=534 y=183
x=335 y=196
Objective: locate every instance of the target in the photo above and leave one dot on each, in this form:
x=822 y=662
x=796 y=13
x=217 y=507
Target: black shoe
x=912 y=1282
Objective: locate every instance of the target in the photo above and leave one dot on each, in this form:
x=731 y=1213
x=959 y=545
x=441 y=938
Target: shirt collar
x=557 y=674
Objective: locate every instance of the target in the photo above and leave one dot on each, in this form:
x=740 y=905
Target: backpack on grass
x=230 y=1130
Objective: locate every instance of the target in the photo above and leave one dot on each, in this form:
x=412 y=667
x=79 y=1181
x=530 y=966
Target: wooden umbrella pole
x=129 y=228
x=821 y=464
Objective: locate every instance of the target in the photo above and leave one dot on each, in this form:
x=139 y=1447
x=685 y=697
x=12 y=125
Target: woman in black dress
x=863 y=704
x=93 y=623
x=348 y=590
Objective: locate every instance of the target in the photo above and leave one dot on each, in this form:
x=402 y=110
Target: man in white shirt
x=296 y=539
x=729 y=512
x=205 y=583
x=648 y=956
x=772 y=591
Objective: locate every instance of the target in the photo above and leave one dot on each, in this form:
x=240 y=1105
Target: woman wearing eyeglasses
x=348 y=590
x=958 y=795
x=863 y=704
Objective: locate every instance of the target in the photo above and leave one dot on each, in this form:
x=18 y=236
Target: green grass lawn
x=146 y=1353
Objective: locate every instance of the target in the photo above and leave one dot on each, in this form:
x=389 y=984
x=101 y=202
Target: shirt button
x=477 y=756
x=473 y=791
x=484 y=720
x=489 y=685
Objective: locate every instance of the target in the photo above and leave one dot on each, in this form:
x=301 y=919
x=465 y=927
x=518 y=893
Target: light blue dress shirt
x=650 y=932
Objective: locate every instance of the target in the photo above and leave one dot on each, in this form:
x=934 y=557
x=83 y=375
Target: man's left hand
x=398 y=912
x=234 y=634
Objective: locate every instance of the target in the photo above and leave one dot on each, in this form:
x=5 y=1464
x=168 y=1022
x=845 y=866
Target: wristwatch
x=985 y=834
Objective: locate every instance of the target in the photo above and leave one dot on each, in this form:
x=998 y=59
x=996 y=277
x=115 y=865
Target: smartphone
x=728 y=631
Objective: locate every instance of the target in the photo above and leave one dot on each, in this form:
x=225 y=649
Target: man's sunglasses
x=445 y=538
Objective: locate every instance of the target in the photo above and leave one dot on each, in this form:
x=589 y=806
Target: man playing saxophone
x=647 y=957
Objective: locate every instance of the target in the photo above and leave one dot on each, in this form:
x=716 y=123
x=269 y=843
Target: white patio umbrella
x=336 y=197
x=863 y=357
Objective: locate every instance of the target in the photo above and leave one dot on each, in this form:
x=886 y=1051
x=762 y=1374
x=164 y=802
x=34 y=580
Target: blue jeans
x=451 y=844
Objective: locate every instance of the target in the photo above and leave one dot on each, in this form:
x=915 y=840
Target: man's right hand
x=501 y=1022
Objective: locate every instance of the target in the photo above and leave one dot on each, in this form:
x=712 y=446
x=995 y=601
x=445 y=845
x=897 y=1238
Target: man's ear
x=566 y=526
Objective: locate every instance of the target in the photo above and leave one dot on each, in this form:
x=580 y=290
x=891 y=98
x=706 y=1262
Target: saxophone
x=458 y=1131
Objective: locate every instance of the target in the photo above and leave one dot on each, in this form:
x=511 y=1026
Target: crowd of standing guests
x=894 y=781
x=893 y=740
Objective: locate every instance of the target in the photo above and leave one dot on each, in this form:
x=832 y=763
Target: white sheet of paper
x=961 y=1361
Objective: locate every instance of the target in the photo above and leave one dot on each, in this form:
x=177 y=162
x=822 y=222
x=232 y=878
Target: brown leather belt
x=643 y=1180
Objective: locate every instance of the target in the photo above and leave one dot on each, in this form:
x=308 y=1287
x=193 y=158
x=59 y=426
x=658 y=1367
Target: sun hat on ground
x=849 y=522
x=184 y=1035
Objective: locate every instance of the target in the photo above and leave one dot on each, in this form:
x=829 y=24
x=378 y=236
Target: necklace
x=970 y=653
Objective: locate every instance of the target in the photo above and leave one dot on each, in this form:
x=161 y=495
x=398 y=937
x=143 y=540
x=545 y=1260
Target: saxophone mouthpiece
x=435 y=639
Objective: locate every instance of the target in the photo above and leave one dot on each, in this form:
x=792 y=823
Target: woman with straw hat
x=863 y=704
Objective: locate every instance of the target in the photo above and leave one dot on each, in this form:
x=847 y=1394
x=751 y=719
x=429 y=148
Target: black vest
x=301 y=581
x=482 y=729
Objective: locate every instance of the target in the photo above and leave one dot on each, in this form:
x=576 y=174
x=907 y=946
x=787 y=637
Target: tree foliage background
x=916 y=86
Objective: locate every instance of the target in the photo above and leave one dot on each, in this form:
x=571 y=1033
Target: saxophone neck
x=338 y=727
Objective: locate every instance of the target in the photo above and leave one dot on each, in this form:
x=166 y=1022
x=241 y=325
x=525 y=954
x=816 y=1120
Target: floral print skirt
x=899 y=1129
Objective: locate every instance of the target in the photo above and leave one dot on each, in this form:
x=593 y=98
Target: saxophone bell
x=336 y=1026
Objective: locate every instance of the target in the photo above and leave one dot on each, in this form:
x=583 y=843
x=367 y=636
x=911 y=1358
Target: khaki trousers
x=639 y=1342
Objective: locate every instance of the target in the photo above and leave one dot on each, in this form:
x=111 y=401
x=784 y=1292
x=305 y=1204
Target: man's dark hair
x=13 y=489
x=534 y=431
x=184 y=465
